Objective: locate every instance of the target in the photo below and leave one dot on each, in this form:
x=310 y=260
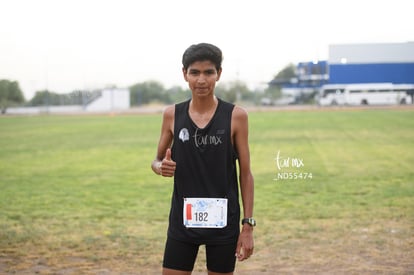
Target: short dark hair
x=202 y=52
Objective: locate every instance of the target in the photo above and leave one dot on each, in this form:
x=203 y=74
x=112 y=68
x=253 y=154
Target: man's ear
x=219 y=74
x=185 y=74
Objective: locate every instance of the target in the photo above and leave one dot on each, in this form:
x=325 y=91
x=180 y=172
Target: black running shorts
x=182 y=255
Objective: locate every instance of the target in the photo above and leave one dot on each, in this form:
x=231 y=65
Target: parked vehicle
x=366 y=94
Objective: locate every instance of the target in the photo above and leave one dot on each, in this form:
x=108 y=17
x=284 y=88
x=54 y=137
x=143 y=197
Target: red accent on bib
x=189 y=215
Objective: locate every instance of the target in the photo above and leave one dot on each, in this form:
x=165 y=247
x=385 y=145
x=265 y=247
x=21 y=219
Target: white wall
x=43 y=110
x=110 y=100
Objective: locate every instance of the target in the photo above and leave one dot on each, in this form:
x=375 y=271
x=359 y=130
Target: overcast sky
x=66 y=45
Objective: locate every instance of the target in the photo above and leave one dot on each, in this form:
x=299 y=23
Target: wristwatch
x=250 y=221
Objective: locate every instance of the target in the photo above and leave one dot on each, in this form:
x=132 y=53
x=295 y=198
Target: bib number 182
x=201 y=216
x=205 y=212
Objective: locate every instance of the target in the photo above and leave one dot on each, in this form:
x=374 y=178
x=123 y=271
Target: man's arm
x=163 y=164
x=240 y=138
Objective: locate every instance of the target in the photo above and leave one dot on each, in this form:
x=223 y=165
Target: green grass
x=77 y=193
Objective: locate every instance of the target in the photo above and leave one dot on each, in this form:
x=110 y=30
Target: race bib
x=205 y=212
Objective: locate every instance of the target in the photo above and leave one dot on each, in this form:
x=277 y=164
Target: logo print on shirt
x=184 y=135
x=203 y=140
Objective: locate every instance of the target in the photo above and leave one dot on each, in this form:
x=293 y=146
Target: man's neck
x=203 y=105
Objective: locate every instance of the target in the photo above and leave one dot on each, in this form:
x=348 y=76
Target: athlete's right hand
x=167 y=165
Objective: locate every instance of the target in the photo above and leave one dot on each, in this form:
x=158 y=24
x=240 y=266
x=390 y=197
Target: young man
x=201 y=140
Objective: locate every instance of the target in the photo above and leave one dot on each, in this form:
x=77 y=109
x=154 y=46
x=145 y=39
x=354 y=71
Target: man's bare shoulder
x=169 y=112
x=239 y=113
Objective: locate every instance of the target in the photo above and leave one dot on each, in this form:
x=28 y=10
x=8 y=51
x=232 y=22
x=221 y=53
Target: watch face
x=250 y=221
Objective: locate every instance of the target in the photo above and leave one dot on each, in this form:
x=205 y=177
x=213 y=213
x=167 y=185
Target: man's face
x=202 y=77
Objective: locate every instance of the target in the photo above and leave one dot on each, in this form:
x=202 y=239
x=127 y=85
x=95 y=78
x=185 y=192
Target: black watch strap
x=249 y=221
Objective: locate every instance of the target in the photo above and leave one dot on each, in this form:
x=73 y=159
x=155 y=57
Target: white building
x=110 y=100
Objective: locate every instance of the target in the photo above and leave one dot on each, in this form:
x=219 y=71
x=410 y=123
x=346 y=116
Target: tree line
x=10 y=94
x=141 y=93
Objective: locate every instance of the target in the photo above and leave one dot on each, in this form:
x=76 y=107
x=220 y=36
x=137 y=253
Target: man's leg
x=221 y=259
x=179 y=257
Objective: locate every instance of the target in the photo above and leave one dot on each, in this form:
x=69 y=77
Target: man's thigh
x=179 y=255
x=221 y=258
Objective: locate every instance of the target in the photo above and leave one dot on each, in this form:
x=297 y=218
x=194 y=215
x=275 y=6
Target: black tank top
x=206 y=167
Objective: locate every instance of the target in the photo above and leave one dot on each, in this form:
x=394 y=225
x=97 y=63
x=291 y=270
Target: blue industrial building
x=371 y=63
x=355 y=64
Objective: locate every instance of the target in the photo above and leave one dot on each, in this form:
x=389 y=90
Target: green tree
x=240 y=89
x=146 y=92
x=233 y=91
x=223 y=92
x=285 y=75
x=10 y=94
x=45 y=98
x=273 y=92
x=178 y=94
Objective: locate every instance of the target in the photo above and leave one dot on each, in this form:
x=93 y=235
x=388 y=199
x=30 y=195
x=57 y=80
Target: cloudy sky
x=65 y=45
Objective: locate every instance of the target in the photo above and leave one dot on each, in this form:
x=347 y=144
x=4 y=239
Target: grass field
x=77 y=195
